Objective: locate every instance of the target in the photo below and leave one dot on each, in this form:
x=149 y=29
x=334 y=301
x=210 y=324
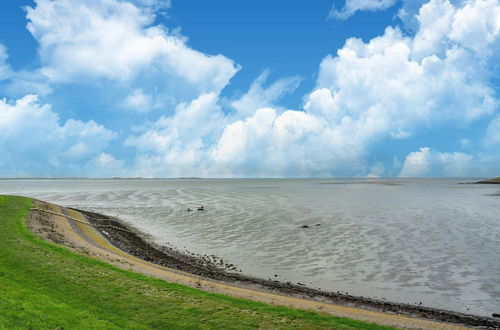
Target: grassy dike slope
x=43 y=285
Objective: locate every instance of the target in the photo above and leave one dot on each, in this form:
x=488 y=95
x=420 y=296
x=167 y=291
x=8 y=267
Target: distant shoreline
x=104 y=179
x=482 y=180
x=490 y=181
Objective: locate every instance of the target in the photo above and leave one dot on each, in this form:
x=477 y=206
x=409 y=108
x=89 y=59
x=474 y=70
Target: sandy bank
x=108 y=239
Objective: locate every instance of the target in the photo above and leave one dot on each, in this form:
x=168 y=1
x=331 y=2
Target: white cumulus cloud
x=106 y=166
x=389 y=89
x=393 y=87
x=33 y=142
x=84 y=41
x=177 y=145
x=293 y=143
x=427 y=162
x=397 y=87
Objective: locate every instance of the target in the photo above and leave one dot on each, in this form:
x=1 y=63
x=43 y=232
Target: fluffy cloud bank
x=268 y=144
x=118 y=42
x=427 y=162
x=389 y=90
x=392 y=87
x=33 y=142
x=177 y=145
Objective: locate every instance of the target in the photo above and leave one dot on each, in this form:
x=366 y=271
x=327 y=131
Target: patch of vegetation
x=45 y=286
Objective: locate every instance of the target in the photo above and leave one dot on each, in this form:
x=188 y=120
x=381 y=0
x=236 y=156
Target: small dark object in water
x=275 y=275
x=304 y=226
x=189 y=210
x=318 y=224
x=201 y=208
x=301 y=284
x=495 y=315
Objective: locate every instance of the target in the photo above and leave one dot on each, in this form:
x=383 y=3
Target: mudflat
x=109 y=239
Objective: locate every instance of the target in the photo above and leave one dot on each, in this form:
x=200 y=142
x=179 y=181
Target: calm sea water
x=434 y=242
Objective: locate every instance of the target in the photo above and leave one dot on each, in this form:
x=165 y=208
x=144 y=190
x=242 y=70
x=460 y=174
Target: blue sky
x=157 y=88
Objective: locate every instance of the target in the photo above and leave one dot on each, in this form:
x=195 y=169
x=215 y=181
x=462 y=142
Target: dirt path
x=85 y=238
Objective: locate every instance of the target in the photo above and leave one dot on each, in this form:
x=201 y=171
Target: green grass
x=43 y=285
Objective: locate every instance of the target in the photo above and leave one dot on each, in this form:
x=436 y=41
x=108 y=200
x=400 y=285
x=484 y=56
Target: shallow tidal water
x=429 y=241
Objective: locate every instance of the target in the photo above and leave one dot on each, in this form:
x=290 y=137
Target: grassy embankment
x=43 y=285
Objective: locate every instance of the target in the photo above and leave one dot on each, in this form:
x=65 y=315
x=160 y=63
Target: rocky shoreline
x=214 y=268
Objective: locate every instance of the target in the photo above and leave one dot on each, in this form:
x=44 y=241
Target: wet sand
x=114 y=242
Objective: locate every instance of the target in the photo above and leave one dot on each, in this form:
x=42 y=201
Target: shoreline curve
x=108 y=238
